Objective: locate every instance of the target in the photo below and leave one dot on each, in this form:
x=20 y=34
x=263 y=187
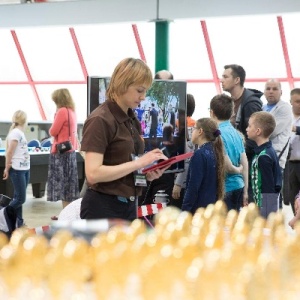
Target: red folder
x=168 y=162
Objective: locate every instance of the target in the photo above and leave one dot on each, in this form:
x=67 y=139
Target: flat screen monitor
x=163 y=119
x=96 y=90
x=162 y=114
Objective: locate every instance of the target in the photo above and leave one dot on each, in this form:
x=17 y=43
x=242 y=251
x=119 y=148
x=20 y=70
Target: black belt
x=120 y=198
x=294 y=161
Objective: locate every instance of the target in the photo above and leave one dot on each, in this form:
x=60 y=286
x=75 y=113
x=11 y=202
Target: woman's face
x=133 y=97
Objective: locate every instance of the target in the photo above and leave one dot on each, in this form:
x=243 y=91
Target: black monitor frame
x=96 y=89
x=168 y=96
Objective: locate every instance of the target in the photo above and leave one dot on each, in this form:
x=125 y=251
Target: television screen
x=162 y=114
x=96 y=89
x=163 y=119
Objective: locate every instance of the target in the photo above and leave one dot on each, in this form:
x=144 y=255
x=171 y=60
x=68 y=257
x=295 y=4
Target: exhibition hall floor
x=37 y=212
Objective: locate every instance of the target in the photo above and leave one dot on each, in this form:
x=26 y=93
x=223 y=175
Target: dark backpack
x=8 y=216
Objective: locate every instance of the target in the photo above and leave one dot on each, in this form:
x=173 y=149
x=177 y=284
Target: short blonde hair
x=265 y=121
x=129 y=71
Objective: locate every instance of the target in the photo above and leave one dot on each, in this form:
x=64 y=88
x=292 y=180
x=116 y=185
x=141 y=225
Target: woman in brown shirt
x=111 y=138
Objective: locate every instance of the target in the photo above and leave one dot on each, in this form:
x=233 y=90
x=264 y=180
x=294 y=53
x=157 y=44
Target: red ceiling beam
x=79 y=54
x=139 y=42
x=211 y=58
x=247 y=80
x=286 y=56
x=44 y=82
x=29 y=77
x=187 y=80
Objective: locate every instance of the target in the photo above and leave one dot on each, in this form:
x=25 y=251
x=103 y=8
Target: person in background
x=266 y=176
x=282 y=112
x=153 y=120
x=17 y=163
x=246 y=102
x=164 y=75
x=62 y=181
x=292 y=168
x=236 y=185
x=180 y=180
x=113 y=146
x=206 y=173
x=171 y=117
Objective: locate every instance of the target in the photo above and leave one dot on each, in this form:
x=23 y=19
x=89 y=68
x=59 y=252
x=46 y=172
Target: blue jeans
x=234 y=199
x=20 y=180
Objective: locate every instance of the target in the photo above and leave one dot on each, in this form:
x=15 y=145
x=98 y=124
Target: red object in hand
x=168 y=162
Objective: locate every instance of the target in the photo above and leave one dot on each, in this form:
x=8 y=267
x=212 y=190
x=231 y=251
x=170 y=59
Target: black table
x=38 y=174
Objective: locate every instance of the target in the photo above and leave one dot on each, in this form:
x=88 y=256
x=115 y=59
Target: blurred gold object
x=213 y=254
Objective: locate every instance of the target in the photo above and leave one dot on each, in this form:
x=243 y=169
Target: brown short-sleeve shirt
x=111 y=132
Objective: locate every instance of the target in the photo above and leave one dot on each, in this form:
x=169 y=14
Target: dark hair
x=190 y=105
x=237 y=71
x=168 y=133
x=222 y=106
x=295 y=91
x=265 y=121
x=210 y=127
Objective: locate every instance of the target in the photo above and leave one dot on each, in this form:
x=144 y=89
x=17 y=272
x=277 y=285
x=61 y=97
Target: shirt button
x=131 y=198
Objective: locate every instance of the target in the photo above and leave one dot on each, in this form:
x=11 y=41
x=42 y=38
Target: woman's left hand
x=152 y=175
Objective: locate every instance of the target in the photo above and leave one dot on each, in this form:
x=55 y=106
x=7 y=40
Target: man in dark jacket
x=246 y=102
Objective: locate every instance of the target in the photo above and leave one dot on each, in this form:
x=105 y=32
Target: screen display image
x=96 y=90
x=162 y=114
x=163 y=119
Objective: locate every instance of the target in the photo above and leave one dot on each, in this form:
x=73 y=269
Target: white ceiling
x=111 y=11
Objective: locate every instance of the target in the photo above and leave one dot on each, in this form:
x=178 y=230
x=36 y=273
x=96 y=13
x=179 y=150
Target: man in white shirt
x=282 y=112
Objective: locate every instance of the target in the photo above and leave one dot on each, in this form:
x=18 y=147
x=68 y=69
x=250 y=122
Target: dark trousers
x=292 y=182
x=234 y=199
x=96 y=205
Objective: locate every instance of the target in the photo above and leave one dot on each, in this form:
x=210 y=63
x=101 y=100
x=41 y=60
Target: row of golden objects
x=213 y=254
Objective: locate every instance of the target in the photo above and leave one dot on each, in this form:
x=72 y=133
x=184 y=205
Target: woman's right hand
x=151 y=157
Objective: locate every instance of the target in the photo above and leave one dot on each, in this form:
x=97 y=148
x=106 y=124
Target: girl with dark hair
x=206 y=173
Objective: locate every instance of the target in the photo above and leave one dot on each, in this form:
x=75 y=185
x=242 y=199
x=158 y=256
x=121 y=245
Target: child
x=180 y=181
x=17 y=163
x=206 y=173
x=265 y=171
x=236 y=185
